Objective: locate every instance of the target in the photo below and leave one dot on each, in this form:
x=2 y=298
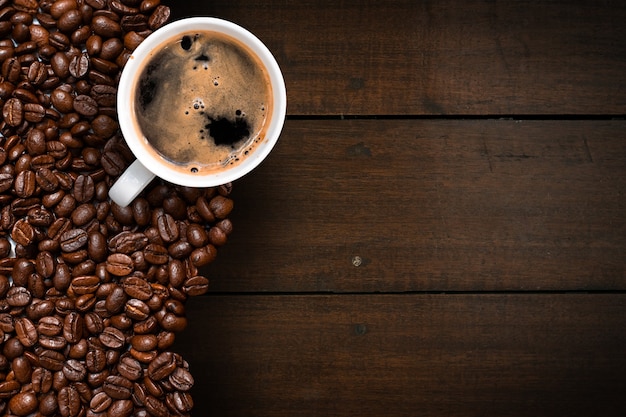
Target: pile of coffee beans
x=91 y=293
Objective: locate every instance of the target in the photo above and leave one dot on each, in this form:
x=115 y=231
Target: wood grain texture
x=407 y=355
x=440 y=57
x=448 y=205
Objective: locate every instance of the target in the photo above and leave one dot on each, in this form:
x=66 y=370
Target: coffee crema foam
x=203 y=102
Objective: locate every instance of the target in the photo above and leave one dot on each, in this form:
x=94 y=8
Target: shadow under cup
x=201 y=102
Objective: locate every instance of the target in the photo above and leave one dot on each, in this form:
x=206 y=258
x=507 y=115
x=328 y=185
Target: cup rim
x=133 y=137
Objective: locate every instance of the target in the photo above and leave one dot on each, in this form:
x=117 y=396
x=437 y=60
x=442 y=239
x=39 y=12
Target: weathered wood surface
x=432 y=205
x=408 y=355
x=440 y=57
x=503 y=217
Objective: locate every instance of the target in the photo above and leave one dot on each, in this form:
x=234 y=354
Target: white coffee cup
x=150 y=164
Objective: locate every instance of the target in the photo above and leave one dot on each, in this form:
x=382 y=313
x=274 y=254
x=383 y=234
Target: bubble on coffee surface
x=202 y=102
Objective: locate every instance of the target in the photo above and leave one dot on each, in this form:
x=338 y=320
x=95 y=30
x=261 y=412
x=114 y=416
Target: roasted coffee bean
x=34 y=113
x=69 y=401
x=165 y=340
x=182 y=249
x=18 y=297
x=162 y=366
x=113 y=163
x=159 y=17
x=45 y=264
x=182 y=401
x=104 y=95
x=36 y=142
x=73 y=327
x=23 y=233
x=94 y=323
x=137 y=309
x=52 y=342
x=204 y=209
x=124 y=215
x=11 y=70
x=56 y=149
x=196 y=285
x=111 y=49
x=217 y=236
x=197 y=235
x=119 y=264
x=128 y=242
x=118 y=387
x=74 y=370
x=172 y=322
x=66 y=206
x=59 y=7
x=13 y=112
x=62 y=100
x=69 y=21
x=221 y=206
x=6 y=323
x=100 y=402
x=86 y=284
x=155 y=407
x=60 y=63
x=181 y=379
x=12 y=348
x=176 y=272
x=104 y=126
x=24 y=403
x=62 y=277
x=156 y=254
x=22 y=369
x=175 y=306
x=149 y=325
x=105 y=27
x=73 y=240
x=137 y=287
x=104 y=66
x=26 y=331
x=112 y=338
x=46 y=179
x=122 y=322
x=64 y=305
x=95 y=360
x=37 y=73
x=79 y=350
x=132 y=40
x=87 y=267
x=41 y=380
x=51 y=360
x=97 y=246
x=130 y=368
x=9 y=388
x=84 y=189
x=79 y=66
x=25 y=184
x=50 y=326
x=175 y=206
x=85 y=105
x=168 y=229
x=144 y=342
x=115 y=301
x=83 y=214
x=203 y=256
x=6 y=182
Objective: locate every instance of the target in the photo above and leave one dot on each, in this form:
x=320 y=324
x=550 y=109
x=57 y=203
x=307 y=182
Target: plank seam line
x=506 y=117
x=360 y=293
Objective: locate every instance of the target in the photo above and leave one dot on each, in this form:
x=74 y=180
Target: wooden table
x=441 y=230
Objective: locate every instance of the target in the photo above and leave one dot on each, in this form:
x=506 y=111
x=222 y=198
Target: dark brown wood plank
x=407 y=355
x=440 y=57
x=448 y=205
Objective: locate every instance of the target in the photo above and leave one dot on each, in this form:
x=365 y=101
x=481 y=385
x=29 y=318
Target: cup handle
x=130 y=184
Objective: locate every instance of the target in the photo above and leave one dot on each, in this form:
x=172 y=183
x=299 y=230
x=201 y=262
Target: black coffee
x=202 y=101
